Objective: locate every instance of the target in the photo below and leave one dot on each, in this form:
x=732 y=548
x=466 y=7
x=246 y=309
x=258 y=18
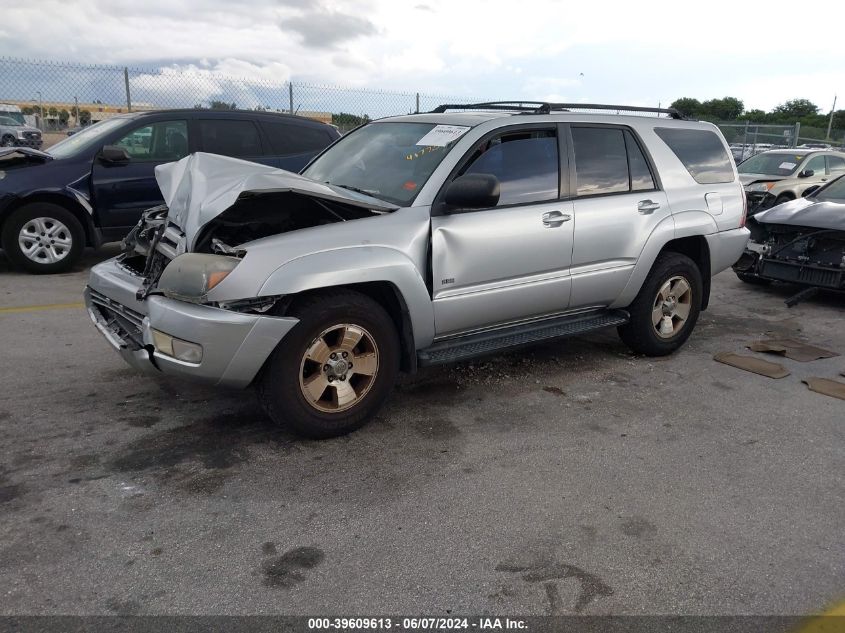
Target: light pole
x=40 y=111
x=830 y=123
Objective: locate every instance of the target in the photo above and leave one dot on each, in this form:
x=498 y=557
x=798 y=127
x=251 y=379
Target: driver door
x=510 y=262
x=123 y=190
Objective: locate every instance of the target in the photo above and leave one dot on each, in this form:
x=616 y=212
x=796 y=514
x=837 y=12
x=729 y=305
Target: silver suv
x=419 y=240
x=16 y=134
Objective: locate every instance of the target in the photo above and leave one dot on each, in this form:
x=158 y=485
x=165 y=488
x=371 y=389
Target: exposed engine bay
x=155 y=240
x=812 y=256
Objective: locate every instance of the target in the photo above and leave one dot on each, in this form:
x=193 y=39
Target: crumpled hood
x=806 y=212
x=201 y=186
x=26 y=151
x=747 y=179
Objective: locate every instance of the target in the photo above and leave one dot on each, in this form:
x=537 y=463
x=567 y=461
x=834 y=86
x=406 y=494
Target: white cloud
x=629 y=52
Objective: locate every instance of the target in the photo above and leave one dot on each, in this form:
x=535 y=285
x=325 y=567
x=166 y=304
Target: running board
x=503 y=339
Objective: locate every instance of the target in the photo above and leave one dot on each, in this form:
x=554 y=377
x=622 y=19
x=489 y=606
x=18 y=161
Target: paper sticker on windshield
x=789 y=166
x=442 y=135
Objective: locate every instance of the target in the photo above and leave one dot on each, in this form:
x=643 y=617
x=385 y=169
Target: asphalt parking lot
x=569 y=478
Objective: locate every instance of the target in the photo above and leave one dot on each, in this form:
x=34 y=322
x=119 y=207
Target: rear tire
x=672 y=289
x=43 y=238
x=306 y=384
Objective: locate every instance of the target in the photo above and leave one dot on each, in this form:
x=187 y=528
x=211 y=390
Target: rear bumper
x=235 y=345
x=726 y=247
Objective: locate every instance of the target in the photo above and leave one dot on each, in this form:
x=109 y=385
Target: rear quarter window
x=286 y=138
x=701 y=152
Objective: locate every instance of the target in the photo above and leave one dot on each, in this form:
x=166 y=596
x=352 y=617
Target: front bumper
x=235 y=345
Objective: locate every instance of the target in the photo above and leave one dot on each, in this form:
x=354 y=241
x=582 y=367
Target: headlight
x=189 y=277
x=760 y=187
x=21 y=133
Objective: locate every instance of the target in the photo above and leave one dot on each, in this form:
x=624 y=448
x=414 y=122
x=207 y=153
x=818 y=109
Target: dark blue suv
x=92 y=187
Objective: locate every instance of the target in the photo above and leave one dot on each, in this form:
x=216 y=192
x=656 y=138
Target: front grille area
x=123 y=321
x=803 y=274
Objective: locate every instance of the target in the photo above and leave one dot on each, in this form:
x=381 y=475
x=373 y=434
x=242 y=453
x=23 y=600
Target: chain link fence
x=57 y=95
x=747 y=139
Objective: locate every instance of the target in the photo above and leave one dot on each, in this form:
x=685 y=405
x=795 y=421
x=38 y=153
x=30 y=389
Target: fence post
x=126 y=83
x=745 y=139
x=795 y=133
x=290 y=95
x=418 y=103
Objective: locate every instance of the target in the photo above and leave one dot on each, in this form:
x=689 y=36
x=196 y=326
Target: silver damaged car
x=419 y=240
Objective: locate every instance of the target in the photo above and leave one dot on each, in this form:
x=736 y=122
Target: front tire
x=43 y=238
x=7 y=141
x=335 y=368
x=666 y=309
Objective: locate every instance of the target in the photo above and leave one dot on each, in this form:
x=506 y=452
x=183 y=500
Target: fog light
x=177 y=348
x=188 y=352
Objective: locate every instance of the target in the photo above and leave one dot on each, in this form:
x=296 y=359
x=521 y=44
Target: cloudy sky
x=633 y=52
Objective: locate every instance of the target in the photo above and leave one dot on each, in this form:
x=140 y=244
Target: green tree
x=53 y=111
x=222 y=105
x=347 y=121
x=795 y=109
x=84 y=117
x=64 y=116
x=28 y=110
x=755 y=116
x=725 y=109
x=687 y=106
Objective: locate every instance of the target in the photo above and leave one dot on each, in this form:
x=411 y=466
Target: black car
x=91 y=187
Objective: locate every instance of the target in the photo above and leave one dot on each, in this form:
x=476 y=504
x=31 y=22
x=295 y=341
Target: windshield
x=834 y=192
x=771 y=164
x=4 y=120
x=88 y=137
x=390 y=160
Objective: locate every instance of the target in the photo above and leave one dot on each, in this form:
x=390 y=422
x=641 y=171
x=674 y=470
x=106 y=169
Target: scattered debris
x=828 y=387
x=794 y=350
x=754 y=365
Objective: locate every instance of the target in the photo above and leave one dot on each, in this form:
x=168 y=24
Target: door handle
x=555 y=218
x=647 y=206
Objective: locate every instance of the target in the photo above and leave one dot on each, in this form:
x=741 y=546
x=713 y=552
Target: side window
x=601 y=160
x=294 y=139
x=163 y=141
x=230 y=137
x=641 y=178
x=836 y=164
x=701 y=152
x=816 y=163
x=526 y=164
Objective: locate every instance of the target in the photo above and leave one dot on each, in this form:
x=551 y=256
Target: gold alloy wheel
x=671 y=307
x=338 y=368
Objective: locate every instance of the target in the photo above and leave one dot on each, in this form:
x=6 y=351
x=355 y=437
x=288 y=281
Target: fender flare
x=327 y=269
x=676 y=226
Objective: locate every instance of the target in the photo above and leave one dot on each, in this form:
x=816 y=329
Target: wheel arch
x=66 y=202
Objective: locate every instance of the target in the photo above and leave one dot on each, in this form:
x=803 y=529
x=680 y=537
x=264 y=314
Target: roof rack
x=542 y=107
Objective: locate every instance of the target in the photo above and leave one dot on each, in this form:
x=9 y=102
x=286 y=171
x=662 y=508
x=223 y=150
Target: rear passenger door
x=292 y=145
x=238 y=138
x=618 y=203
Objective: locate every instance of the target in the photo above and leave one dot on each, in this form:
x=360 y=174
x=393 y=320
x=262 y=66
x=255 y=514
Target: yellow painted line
x=49 y=306
x=831 y=621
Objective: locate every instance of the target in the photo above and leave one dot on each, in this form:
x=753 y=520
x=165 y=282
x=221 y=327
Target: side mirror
x=472 y=191
x=810 y=190
x=806 y=173
x=113 y=154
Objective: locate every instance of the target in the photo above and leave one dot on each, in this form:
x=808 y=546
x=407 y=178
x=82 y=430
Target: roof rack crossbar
x=541 y=107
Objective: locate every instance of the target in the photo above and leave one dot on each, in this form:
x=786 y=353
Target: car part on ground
x=104 y=174
x=752 y=364
x=801 y=242
x=418 y=240
x=826 y=386
x=794 y=350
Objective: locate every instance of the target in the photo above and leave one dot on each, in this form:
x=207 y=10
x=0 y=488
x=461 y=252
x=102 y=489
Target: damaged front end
x=801 y=242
